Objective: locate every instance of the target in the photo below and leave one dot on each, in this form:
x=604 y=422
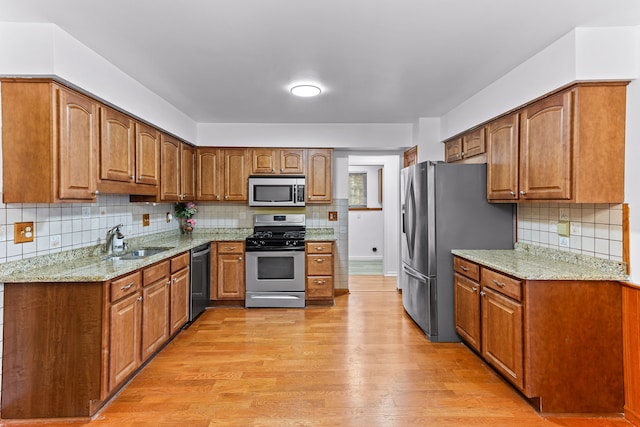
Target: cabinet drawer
x=319 y=247
x=154 y=273
x=319 y=287
x=230 y=247
x=466 y=268
x=179 y=262
x=503 y=284
x=319 y=265
x=125 y=285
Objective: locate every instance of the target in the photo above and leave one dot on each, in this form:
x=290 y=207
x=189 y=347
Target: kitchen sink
x=137 y=254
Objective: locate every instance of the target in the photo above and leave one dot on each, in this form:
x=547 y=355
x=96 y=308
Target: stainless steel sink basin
x=137 y=254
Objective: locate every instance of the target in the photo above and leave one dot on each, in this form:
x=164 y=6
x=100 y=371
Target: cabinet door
x=236 y=184
x=124 y=341
x=187 y=172
x=292 y=161
x=473 y=143
x=170 y=170
x=411 y=156
x=209 y=174
x=453 y=150
x=147 y=155
x=319 y=176
x=179 y=300
x=502 y=341
x=467 y=310
x=230 y=276
x=77 y=145
x=155 y=316
x=502 y=160
x=117 y=146
x=545 y=149
x=264 y=161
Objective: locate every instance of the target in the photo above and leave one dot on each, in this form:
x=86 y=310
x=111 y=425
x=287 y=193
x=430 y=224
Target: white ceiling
x=379 y=61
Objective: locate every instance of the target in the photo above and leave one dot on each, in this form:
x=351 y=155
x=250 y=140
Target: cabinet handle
x=482 y=294
x=140 y=298
x=281 y=169
x=457 y=155
x=319 y=282
x=502 y=285
x=95 y=193
x=464 y=268
x=131 y=177
x=522 y=193
x=124 y=288
x=319 y=248
x=217 y=197
x=474 y=289
x=512 y=193
x=169 y=283
x=462 y=154
x=239 y=258
x=226 y=197
x=319 y=260
x=273 y=169
x=175 y=279
x=229 y=248
x=140 y=177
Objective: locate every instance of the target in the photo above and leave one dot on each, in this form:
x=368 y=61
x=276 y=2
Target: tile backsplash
x=595 y=229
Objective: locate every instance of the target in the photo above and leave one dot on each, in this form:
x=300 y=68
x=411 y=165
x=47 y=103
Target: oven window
x=275 y=268
x=273 y=193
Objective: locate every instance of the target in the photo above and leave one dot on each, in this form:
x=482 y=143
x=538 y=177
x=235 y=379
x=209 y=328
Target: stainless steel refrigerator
x=444 y=207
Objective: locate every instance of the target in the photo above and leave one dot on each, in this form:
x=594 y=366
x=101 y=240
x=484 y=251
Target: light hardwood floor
x=360 y=363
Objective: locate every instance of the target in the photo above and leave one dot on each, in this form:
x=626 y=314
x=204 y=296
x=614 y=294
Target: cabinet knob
x=319 y=282
x=462 y=154
x=169 y=283
x=512 y=193
x=140 y=298
x=217 y=197
x=482 y=294
x=319 y=260
x=140 y=177
x=175 y=279
x=522 y=193
x=226 y=197
x=131 y=177
x=239 y=258
x=95 y=193
x=474 y=289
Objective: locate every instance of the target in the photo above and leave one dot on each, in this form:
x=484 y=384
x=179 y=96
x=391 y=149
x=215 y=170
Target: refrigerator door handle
x=404 y=228
x=411 y=272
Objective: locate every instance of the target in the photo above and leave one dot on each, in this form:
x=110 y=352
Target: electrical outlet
x=333 y=216
x=55 y=241
x=146 y=221
x=563 y=241
x=167 y=217
x=563 y=228
x=23 y=232
x=86 y=212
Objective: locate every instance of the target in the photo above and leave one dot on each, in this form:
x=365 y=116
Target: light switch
x=145 y=220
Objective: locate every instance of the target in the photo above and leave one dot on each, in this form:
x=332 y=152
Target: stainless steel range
x=275 y=261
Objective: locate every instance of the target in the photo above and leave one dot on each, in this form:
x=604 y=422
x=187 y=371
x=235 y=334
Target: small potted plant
x=186 y=211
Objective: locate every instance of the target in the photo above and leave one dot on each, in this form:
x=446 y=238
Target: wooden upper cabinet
x=473 y=143
x=187 y=172
x=264 y=161
x=49 y=143
x=502 y=159
x=277 y=161
x=411 y=156
x=117 y=146
x=319 y=175
x=570 y=147
x=209 y=176
x=236 y=176
x=545 y=149
x=292 y=161
x=170 y=170
x=147 y=155
x=453 y=150
x=77 y=145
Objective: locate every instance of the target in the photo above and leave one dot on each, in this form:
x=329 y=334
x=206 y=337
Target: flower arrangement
x=185 y=211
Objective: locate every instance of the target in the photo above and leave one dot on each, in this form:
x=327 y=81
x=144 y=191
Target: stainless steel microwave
x=276 y=190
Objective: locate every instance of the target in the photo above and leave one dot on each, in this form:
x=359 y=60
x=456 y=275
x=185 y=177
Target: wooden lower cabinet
x=229 y=271
x=631 y=343
x=319 y=272
x=557 y=341
x=68 y=347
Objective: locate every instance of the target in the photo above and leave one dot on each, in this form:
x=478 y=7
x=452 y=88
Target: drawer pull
x=319 y=260
x=464 y=268
x=229 y=248
x=474 y=289
x=124 y=288
x=319 y=248
x=502 y=285
x=319 y=282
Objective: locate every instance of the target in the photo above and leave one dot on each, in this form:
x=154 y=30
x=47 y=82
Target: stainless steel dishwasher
x=200 y=280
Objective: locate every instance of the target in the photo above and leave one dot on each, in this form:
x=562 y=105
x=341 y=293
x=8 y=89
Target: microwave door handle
x=295 y=193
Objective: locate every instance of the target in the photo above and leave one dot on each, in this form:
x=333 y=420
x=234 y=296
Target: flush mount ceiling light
x=305 y=90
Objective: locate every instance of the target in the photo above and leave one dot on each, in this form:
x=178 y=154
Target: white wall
x=426 y=135
x=364 y=225
x=46 y=50
x=370 y=136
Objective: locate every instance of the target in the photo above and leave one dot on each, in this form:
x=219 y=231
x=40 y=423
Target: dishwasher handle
x=199 y=253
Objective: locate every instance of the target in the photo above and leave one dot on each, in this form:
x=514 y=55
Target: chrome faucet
x=113 y=232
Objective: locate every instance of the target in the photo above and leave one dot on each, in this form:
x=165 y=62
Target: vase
x=184 y=227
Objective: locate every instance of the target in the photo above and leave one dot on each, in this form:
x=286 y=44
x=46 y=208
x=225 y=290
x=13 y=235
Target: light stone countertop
x=529 y=262
x=91 y=265
x=320 y=234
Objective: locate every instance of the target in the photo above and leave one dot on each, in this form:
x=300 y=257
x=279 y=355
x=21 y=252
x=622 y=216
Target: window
x=358 y=190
